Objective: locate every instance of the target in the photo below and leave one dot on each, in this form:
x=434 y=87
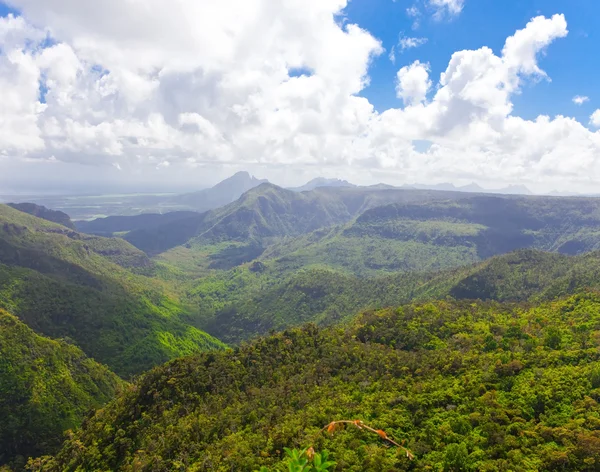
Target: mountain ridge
x=63 y=284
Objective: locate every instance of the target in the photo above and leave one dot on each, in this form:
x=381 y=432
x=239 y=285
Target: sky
x=158 y=95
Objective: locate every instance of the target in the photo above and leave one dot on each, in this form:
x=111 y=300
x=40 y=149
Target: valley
x=285 y=295
x=299 y=236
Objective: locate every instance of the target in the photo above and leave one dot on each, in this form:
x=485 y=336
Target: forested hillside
x=65 y=284
x=251 y=301
x=360 y=230
x=260 y=214
x=45 y=213
x=467 y=386
x=488 y=364
x=46 y=387
x=446 y=233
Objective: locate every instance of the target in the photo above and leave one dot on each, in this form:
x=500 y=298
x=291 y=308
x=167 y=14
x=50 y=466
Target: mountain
x=44 y=213
x=221 y=194
x=270 y=212
x=96 y=291
x=475 y=188
x=436 y=235
x=322 y=182
x=472 y=188
x=462 y=385
x=514 y=190
x=46 y=387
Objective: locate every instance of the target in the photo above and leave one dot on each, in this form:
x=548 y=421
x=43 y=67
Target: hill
x=467 y=386
x=42 y=212
x=46 y=387
x=65 y=284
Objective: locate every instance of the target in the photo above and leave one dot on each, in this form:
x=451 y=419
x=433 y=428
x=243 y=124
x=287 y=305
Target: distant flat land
x=89 y=207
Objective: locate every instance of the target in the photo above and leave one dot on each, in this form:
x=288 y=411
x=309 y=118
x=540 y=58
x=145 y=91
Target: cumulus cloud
x=580 y=100
x=189 y=84
x=595 y=119
x=413 y=83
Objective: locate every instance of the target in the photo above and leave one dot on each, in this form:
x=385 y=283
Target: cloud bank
x=159 y=85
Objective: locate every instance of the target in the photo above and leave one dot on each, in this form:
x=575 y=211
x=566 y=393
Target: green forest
x=465 y=385
x=335 y=329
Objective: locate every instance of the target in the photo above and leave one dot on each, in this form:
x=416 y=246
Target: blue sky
x=570 y=62
x=193 y=94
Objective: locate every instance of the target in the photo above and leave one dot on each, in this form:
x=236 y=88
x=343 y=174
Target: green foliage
x=46 y=387
x=243 y=303
x=426 y=373
x=44 y=213
x=301 y=461
x=67 y=285
x=434 y=235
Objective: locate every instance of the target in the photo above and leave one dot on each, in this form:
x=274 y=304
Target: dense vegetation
x=45 y=213
x=252 y=300
x=440 y=234
x=507 y=383
x=260 y=215
x=468 y=386
x=64 y=284
x=46 y=387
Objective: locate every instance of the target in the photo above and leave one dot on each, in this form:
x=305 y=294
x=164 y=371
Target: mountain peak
x=223 y=193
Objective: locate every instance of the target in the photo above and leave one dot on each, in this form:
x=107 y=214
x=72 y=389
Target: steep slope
x=262 y=213
x=447 y=233
x=468 y=386
x=46 y=387
x=42 y=212
x=221 y=194
x=268 y=213
x=64 y=284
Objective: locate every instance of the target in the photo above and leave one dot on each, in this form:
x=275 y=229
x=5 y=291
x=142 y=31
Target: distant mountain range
x=470 y=188
x=322 y=182
x=90 y=207
x=169 y=285
x=474 y=188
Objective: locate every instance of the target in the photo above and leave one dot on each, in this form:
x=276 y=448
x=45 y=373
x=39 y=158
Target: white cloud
x=392 y=55
x=595 y=119
x=414 y=13
x=406 y=42
x=413 y=83
x=190 y=85
x=580 y=100
x=521 y=50
x=447 y=7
